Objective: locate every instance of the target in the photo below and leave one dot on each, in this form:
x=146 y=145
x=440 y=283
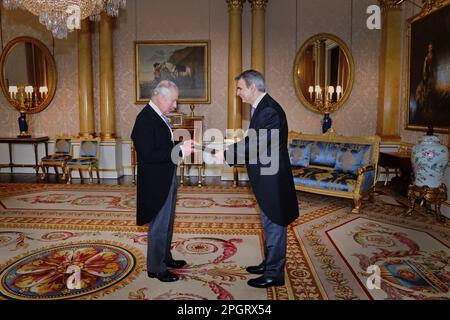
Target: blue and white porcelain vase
x=429 y=159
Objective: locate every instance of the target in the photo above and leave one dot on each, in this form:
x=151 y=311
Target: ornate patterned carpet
x=47 y=230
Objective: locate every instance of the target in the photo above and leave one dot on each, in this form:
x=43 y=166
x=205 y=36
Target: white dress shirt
x=257 y=101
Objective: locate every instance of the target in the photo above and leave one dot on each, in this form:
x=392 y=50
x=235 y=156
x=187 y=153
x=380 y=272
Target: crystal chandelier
x=63 y=16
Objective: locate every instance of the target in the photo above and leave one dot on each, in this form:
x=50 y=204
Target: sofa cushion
x=365 y=149
x=349 y=160
x=324 y=179
x=299 y=155
x=323 y=153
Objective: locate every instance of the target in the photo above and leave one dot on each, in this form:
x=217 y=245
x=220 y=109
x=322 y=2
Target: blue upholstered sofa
x=334 y=165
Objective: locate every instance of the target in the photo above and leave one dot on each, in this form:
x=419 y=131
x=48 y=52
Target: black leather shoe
x=259 y=269
x=265 y=282
x=176 y=264
x=165 y=276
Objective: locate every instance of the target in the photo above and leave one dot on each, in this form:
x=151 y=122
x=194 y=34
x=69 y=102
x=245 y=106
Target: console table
x=32 y=141
x=194 y=125
x=401 y=160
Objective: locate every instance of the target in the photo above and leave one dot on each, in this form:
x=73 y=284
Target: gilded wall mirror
x=323 y=73
x=28 y=78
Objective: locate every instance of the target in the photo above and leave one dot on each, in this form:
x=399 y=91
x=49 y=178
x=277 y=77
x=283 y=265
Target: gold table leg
x=434 y=196
x=182 y=172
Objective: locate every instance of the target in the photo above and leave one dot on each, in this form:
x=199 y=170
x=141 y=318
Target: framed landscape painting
x=187 y=63
x=428 y=69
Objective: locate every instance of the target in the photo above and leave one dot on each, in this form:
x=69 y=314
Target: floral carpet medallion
x=45 y=273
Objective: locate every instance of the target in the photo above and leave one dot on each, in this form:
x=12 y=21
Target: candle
x=29 y=91
x=310 y=90
x=339 y=91
x=43 y=90
x=13 y=91
x=330 y=91
x=318 y=91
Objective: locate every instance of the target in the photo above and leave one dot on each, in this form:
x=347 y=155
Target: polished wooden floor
x=124 y=180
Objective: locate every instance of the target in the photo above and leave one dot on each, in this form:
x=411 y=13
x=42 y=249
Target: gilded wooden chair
x=88 y=159
x=61 y=154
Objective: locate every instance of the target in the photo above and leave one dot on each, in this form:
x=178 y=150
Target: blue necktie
x=166 y=120
x=253 y=111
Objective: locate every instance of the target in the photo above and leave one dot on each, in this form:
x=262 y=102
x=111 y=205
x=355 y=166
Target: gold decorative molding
x=258 y=4
x=235 y=5
x=427 y=5
x=430 y=5
x=390 y=4
x=318 y=41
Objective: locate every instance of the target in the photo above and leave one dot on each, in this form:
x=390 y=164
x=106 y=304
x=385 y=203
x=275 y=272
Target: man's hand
x=218 y=157
x=197 y=146
x=188 y=147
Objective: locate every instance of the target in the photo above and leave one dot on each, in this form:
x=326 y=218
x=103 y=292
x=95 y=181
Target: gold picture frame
x=427 y=81
x=187 y=63
x=339 y=69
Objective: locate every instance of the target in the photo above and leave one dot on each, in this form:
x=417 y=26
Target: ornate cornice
x=430 y=5
x=427 y=5
x=258 y=4
x=235 y=5
x=390 y=4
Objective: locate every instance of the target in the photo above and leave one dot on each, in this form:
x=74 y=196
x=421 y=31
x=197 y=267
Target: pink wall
x=288 y=24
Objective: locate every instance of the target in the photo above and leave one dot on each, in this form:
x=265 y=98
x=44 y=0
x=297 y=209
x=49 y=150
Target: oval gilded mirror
x=28 y=78
x=323 y=73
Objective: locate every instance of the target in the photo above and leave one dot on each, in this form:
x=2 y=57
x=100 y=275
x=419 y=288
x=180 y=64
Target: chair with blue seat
x=61 y=154
x=88 y=159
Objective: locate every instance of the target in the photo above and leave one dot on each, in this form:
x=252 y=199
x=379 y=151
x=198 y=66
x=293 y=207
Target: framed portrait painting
x=428 y=69
x=187 y=63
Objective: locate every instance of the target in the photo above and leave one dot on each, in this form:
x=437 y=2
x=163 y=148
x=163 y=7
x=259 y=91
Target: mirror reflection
x=323 y=73
x=28 y=74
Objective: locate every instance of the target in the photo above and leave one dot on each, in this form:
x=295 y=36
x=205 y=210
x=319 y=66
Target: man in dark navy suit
x=157 y=156
x=271 y=180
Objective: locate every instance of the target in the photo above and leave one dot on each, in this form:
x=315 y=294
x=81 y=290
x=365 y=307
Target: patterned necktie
x=166 y=120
